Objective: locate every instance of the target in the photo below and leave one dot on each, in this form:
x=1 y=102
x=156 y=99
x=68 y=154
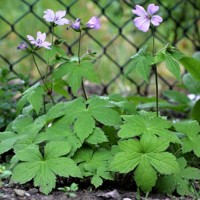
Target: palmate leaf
x=102 y=112
x=147 y=158
x=190 y=142
x=192 y=65
x=94 y=164
x=60 y=131
x=21 y=133
x=180 y=180
x=44 y=169
x=97 y=137
x=141 y=62
x=148 y=124
x=173 y=65
x=81 y=116
x=33 y=95
x=75 y=72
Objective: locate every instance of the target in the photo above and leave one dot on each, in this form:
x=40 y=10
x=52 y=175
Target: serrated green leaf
x=192 y=65
x=191 y=131
x=87 y=70
x=101 y=111
x=177 y=96
x=96 y=181
x=29 y=155
x=145 y=175
x=45 y=178
x=191 y=83
x=25 y=172
x=60 y=148
x=141 y=62
x=97 y=137
x=35 y=98
x=20 y=122
x=66 y=167
x=7 y=140
x=164 y=162
x=173 y=66
x=180 y=180
x=44 y=170
x=195 y=111
x=59 y=87
x=146 y=157
x=84 y=125
x=94 y=164
x=135 y=125
x=56 y=111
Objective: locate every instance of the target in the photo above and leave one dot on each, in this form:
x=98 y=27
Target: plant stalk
x=48 y=92
x=155 y=72
x=79 y=60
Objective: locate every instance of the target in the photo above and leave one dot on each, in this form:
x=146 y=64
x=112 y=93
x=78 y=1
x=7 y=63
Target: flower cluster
x=142 y=22
x=57 y=18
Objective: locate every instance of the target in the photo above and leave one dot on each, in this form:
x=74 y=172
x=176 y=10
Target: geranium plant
x=94 y=137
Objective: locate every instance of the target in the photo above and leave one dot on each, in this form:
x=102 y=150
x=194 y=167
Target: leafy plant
x=45 y=168
x=181 y=181
x=70 y=190
x=147 y=157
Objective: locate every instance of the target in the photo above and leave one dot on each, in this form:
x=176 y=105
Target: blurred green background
x=115 y=42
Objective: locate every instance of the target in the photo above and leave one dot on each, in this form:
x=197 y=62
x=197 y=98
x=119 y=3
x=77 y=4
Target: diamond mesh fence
x=115 y=42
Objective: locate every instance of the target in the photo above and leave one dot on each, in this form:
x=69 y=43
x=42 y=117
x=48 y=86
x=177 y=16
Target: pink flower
x=93 y=23
x=56 y=18
x=145 y=18
x=40 y=40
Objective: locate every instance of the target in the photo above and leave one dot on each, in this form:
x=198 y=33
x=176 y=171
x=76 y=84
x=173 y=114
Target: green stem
x=43 y=79
x=155 y=72
x=79 y=60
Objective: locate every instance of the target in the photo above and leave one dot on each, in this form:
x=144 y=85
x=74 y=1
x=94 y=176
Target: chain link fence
x=115 y=42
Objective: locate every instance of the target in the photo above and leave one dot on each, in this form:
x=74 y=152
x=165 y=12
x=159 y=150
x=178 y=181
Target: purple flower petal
x=22 y=46
x=46 y=45
x=60 y=14
x=142 y=23
x=62 y=21
x=156 y=20
x=152 y=9
x=49 y=15
x=40 y=40
x=30 y=38
x=93 y=23
x=146 y=18
x=140 y=11
x=41 y=36
x=56 y=18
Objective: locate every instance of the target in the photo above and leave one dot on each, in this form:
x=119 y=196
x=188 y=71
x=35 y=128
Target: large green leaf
x=191 y=130
x=180 y=180
x=103 y=113
x=44 y=169
x=141 y=62
x=135 y=125
x=173 y=66
x=192 y=65
x=147 y=157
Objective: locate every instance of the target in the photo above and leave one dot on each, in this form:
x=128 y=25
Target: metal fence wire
x=115 y=42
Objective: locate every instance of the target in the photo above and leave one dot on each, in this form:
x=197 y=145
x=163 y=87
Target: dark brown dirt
x=15 y=192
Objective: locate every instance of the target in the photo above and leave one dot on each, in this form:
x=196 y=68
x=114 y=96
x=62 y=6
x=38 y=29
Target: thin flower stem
x=43 y=79
x=155 y=72
x=79 y=60
x=51 y=68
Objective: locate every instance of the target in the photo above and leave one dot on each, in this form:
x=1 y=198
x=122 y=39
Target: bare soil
x=17 y=192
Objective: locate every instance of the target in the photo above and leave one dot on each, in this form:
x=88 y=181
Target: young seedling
x=70 y=190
